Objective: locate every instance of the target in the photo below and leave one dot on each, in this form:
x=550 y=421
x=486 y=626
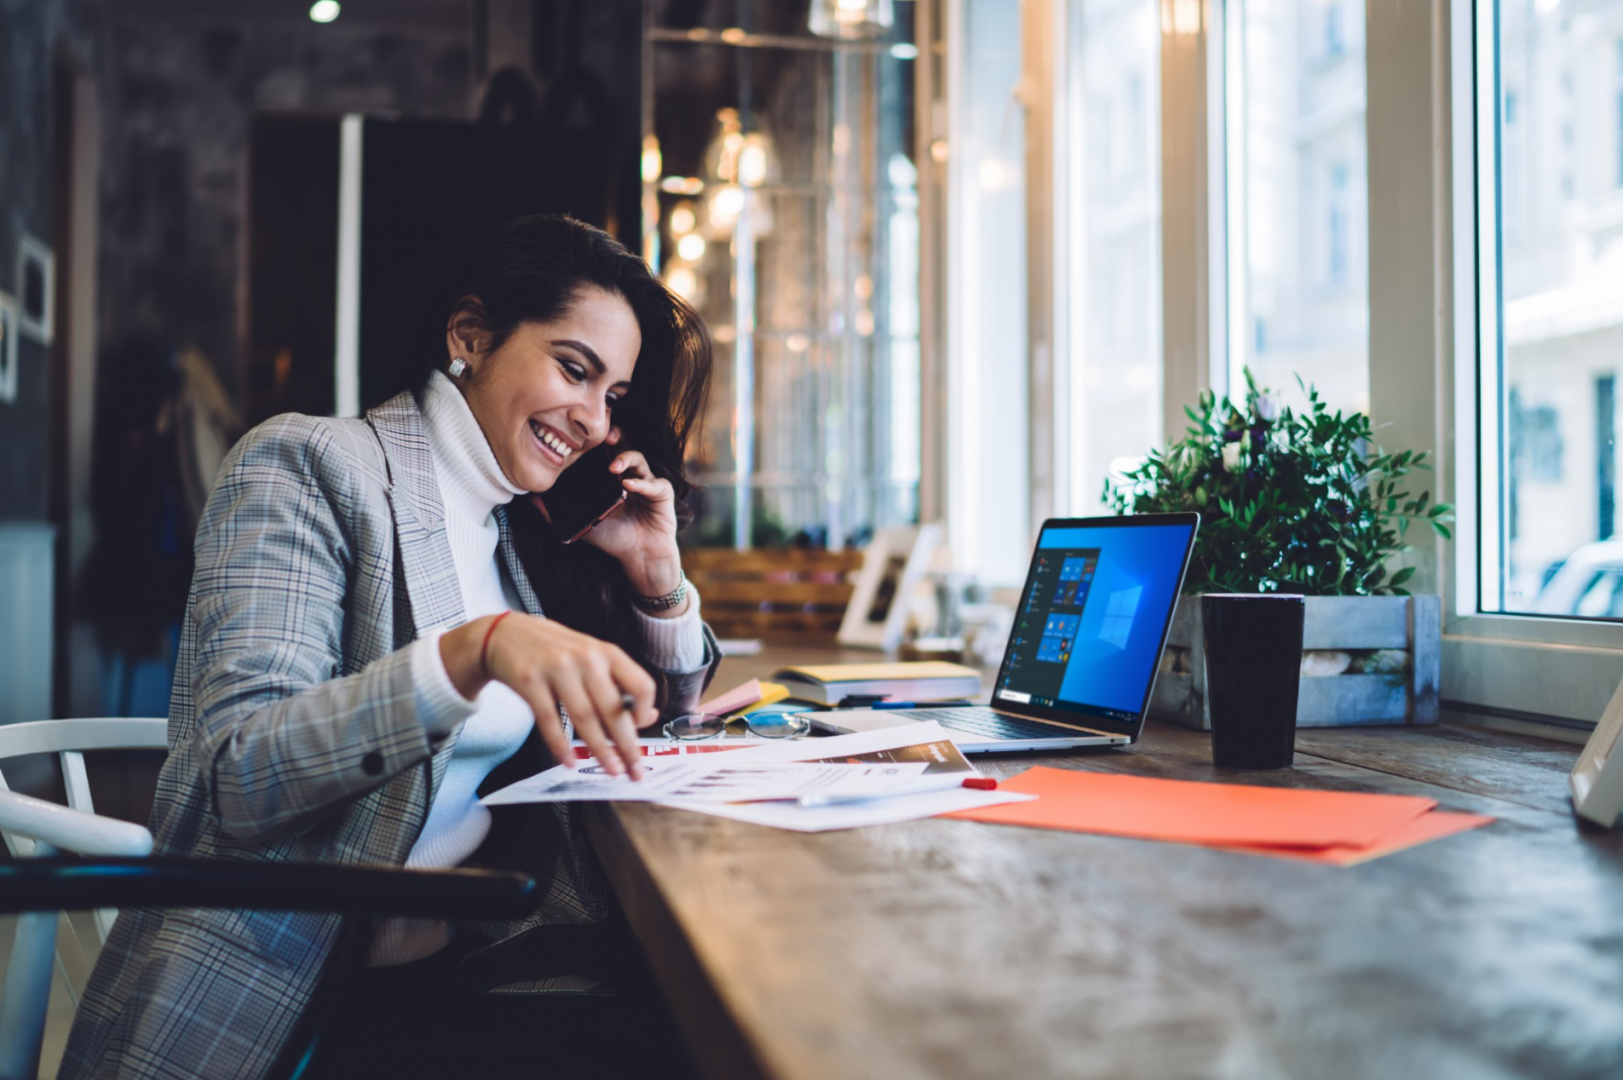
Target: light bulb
x=752 y=161
x=324 y=11
x=652 y=161
x=691 y=247
x=725 y=206
x=683 y=282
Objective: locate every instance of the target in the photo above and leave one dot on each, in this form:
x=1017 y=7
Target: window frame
x=1427 y=390
x=1543 y=666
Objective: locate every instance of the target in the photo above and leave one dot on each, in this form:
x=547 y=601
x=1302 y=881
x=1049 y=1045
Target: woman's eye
x=575 y=371
x=614 y=400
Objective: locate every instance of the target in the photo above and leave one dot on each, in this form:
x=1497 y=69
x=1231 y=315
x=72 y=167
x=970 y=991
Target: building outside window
x=1560 y=307
x=1297 y=229
x=1115 y=329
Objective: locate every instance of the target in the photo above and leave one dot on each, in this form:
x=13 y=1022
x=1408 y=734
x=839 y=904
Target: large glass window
x=1115 y=206
x=781 y=198
x=987 y=447
x=1298 y=264
x=1552 y=310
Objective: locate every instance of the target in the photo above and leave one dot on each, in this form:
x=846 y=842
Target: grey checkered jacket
x=293 y=736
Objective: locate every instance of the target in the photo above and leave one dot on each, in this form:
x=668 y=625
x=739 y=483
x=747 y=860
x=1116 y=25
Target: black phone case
x=585 y=494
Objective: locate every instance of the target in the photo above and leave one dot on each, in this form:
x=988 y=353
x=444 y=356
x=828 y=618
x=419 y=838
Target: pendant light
x=851 y=18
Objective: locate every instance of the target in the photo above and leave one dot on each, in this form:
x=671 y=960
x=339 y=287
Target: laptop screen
x=1094 y=615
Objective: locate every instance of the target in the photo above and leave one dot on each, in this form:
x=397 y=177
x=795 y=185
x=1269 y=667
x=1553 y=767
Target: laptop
x=1086 y=644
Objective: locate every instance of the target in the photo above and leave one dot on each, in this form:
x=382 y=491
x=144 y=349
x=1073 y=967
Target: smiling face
x=548 y=394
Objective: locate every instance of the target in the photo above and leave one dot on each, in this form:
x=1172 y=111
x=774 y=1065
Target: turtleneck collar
x=471 y=481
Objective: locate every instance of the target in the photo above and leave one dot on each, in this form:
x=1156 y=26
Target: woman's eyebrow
x=586 y=351
x=590 y=354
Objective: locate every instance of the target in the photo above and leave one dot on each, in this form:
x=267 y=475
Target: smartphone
x=584 y=495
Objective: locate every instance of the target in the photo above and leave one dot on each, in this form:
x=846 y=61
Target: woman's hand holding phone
x=548 y=665
x=642 y=535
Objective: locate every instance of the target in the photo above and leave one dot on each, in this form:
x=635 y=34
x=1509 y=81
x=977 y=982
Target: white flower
x=1268 y=407
x=1231 y=457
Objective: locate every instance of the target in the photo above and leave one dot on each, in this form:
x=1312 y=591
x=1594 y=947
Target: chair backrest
x=32 y=826
x=69 y=739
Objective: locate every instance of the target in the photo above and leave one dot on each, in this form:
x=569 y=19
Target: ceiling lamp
x=683 y=219
x=324 y=11
x=851 y=18
x=691 y=247
x=726 y=203
x=757 y=160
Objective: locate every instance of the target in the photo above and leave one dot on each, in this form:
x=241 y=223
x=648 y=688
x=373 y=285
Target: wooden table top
x=953 y=949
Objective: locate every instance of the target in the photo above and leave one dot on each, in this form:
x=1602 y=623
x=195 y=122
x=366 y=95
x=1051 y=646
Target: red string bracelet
x=485 y=644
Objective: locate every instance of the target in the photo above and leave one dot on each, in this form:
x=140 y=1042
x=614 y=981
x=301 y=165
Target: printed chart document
x=712 y=780
x=925 y=743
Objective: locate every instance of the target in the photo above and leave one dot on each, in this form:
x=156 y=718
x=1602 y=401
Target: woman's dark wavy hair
x=529 y=270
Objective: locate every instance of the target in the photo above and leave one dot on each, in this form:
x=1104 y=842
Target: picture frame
x=36 y=289
x=892 y=565
x=10 y=333
x=1597 y=780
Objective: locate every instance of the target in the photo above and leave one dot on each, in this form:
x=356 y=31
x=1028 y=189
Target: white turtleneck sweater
x=496 y=723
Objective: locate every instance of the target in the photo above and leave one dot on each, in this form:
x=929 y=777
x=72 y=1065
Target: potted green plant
x=1300 y=502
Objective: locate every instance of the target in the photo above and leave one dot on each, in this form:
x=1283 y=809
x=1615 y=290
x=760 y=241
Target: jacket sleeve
x=283 y=736
x=681 y=690
x=675 y=691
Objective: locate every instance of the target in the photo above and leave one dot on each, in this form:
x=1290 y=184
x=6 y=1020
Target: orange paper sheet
x=1332 y=827
x=1227 y=815
x=1425 y=828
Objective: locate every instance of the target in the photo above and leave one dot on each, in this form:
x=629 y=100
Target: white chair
x=34 y=828
x=115 y=867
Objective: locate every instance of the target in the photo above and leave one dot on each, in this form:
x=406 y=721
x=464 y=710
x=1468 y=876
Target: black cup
x=1253 y=675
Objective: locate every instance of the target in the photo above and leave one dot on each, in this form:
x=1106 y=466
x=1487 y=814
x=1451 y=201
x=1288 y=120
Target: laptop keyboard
x=978 y=720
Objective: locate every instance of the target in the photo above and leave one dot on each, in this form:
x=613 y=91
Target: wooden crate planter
x=776 y=594
x=1360 y=625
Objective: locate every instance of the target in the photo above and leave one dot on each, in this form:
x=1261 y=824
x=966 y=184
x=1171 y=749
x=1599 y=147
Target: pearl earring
x=459 y=367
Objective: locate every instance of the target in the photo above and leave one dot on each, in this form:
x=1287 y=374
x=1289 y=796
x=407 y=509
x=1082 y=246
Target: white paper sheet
x=850 y=815
x=711 y=780
x=781 y=815
x=840 y=746
x=853 y=815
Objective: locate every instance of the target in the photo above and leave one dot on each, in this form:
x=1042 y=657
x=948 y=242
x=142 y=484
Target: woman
x=364 y=640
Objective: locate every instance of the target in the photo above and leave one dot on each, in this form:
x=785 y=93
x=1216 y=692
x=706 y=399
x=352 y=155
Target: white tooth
x=554 y=443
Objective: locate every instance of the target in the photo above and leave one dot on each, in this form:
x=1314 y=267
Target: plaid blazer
x=294 y=736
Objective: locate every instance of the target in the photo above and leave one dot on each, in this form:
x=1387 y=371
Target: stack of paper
x=1336 y=827
x=720 y=780
x=762 y=782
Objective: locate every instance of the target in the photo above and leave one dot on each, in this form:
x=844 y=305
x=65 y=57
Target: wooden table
x=948 y=949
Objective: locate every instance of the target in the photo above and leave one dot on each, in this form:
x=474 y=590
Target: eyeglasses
x=696 y=726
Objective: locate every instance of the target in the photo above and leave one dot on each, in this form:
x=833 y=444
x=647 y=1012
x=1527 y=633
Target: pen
x=917 y=787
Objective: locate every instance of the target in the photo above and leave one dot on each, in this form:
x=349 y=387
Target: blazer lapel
x=432 y=589
x=422 y=550
x=513 y=567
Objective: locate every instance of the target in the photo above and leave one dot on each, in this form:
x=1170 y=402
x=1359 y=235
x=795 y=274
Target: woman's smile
x=554 y=446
